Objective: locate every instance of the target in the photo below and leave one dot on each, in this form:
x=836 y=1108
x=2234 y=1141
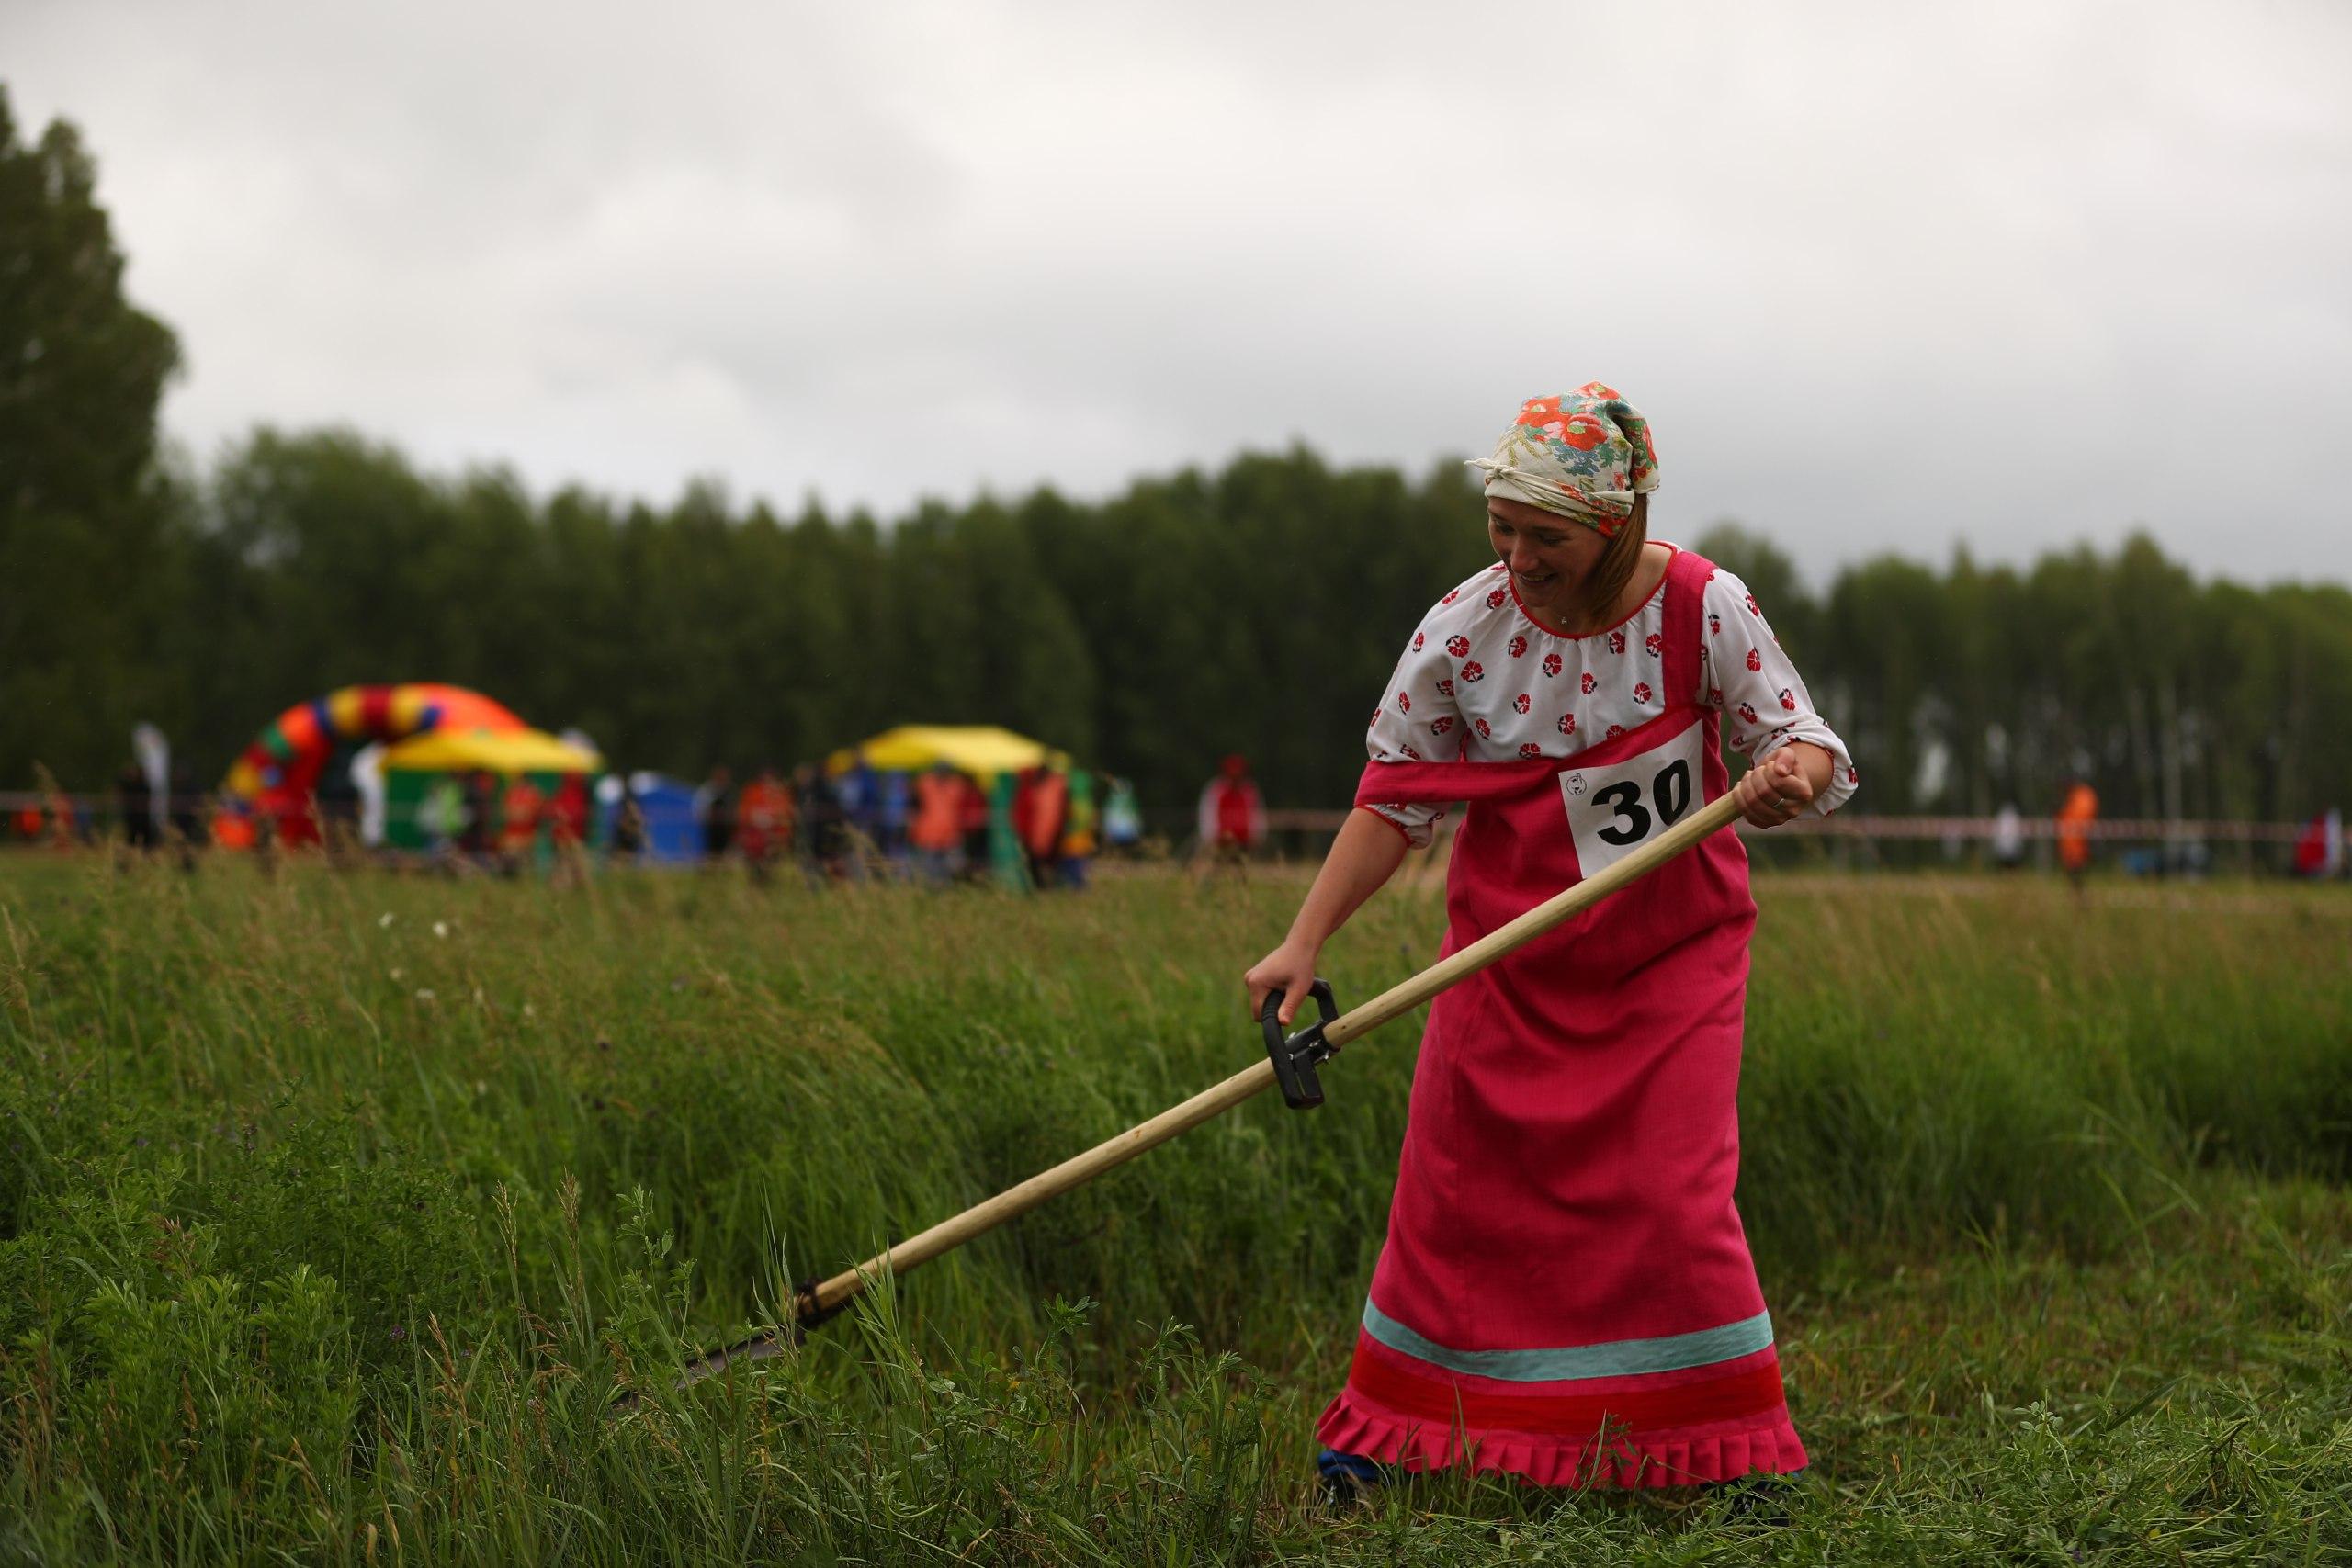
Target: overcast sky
x=1885 y=278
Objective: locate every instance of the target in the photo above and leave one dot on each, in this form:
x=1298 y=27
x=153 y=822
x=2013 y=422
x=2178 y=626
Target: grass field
x=336 y=1210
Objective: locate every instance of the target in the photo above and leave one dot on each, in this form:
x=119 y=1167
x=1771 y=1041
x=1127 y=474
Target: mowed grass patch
x=337 y=1209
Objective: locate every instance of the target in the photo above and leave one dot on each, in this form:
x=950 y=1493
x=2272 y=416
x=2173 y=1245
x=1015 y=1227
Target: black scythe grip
x=1295 y=1059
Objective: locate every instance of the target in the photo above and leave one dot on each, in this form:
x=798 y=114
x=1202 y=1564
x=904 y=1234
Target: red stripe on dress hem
x=1442 y=1401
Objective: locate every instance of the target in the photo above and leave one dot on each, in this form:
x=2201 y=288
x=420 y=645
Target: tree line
x=1255 y=608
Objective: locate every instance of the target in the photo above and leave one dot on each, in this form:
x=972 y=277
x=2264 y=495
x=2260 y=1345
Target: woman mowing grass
x=1565 y=1293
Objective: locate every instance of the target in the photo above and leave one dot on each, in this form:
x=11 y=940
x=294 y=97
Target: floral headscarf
x=1585 y=454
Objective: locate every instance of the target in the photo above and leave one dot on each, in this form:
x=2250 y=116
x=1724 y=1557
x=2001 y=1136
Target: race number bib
x=1615 y=808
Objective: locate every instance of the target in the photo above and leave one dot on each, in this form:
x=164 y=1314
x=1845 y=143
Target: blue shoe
x=1765 y=1498
x=1348 y=1479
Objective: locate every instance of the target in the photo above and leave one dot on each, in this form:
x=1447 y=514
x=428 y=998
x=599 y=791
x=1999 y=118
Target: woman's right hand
x=1289 y=969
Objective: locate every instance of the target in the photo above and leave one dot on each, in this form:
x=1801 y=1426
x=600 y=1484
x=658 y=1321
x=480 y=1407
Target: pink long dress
x=1567 y=1293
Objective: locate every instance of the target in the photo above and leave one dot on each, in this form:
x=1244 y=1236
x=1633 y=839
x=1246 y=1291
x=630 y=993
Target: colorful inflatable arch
x=277 y=774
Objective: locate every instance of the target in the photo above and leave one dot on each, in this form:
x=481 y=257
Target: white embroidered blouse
x=1481 y=682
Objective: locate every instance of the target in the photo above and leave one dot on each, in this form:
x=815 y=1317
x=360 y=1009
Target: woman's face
x=1550 y=557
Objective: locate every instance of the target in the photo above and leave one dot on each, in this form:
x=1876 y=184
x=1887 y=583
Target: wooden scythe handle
x=981 y=1218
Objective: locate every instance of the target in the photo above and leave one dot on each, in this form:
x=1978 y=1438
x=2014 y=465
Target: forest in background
x=1258 y=608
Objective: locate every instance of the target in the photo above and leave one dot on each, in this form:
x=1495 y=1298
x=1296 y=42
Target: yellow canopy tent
x=494 y=751
x=979 y=749
x=421 y=768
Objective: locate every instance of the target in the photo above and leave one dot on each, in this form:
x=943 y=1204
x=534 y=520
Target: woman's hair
x=1618 y=562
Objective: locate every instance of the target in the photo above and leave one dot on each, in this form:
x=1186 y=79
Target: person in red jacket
x=523 y=809
x=1232 y=817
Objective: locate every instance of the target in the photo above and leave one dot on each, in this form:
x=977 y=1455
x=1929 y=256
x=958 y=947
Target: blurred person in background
x=858 y=790
x=629 y=826
x=824 y=832
x=1232 y=816
x=525 y=809
x=1040 y=812
x=1081 y=832
x=715 y=814
x=2077 y=813
x=893 y=807
x=134 y=798
x=975 y=815
x=568 y=817
x=479 y=840
x=1121 y=817
x=441 y=818
x=2319 y=849
x=936 y=831
x=2008 y=837
x=764 y=824
x=185 y=811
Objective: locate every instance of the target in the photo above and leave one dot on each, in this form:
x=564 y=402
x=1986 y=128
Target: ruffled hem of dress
x=1618 y=1459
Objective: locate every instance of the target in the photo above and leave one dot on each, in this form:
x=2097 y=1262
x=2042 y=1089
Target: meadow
x=338 y=1210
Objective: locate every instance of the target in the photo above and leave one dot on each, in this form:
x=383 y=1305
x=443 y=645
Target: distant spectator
x=568 y=815
x=135 y=804
x=524 y=810
x=441 y=817
x=858 y=788
x=1081 y=832
x=975 y=815
x=824 y=834
x=629 y=826
x=1040 y=811
x=1122 y=817
x=1232 y=817
x=2075 y=816
x=480 y=839
x=715 y=814
x=764 y=820
x=893 y=808
x=1007 y=860
x=184 y=809
x=942 y=796
x=2008 y=837
x=2318 y=851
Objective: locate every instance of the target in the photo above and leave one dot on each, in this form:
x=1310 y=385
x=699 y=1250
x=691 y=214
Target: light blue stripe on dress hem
x=1618 y=1358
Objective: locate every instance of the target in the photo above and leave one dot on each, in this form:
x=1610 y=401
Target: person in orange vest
x=1040 y=812
x=2075 y=818
x=941 y=800
x=523 y=809
x=763 y=823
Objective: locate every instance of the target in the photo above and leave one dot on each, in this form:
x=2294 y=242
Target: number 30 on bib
x=1617 y=807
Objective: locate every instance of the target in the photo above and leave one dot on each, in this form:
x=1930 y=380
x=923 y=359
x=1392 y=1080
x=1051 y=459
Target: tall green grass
x=336 y=1211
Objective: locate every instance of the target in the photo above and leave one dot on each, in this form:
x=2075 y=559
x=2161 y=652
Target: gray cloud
x=2009 y=274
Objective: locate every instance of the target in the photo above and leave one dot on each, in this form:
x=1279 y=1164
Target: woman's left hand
x=1778 y=788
